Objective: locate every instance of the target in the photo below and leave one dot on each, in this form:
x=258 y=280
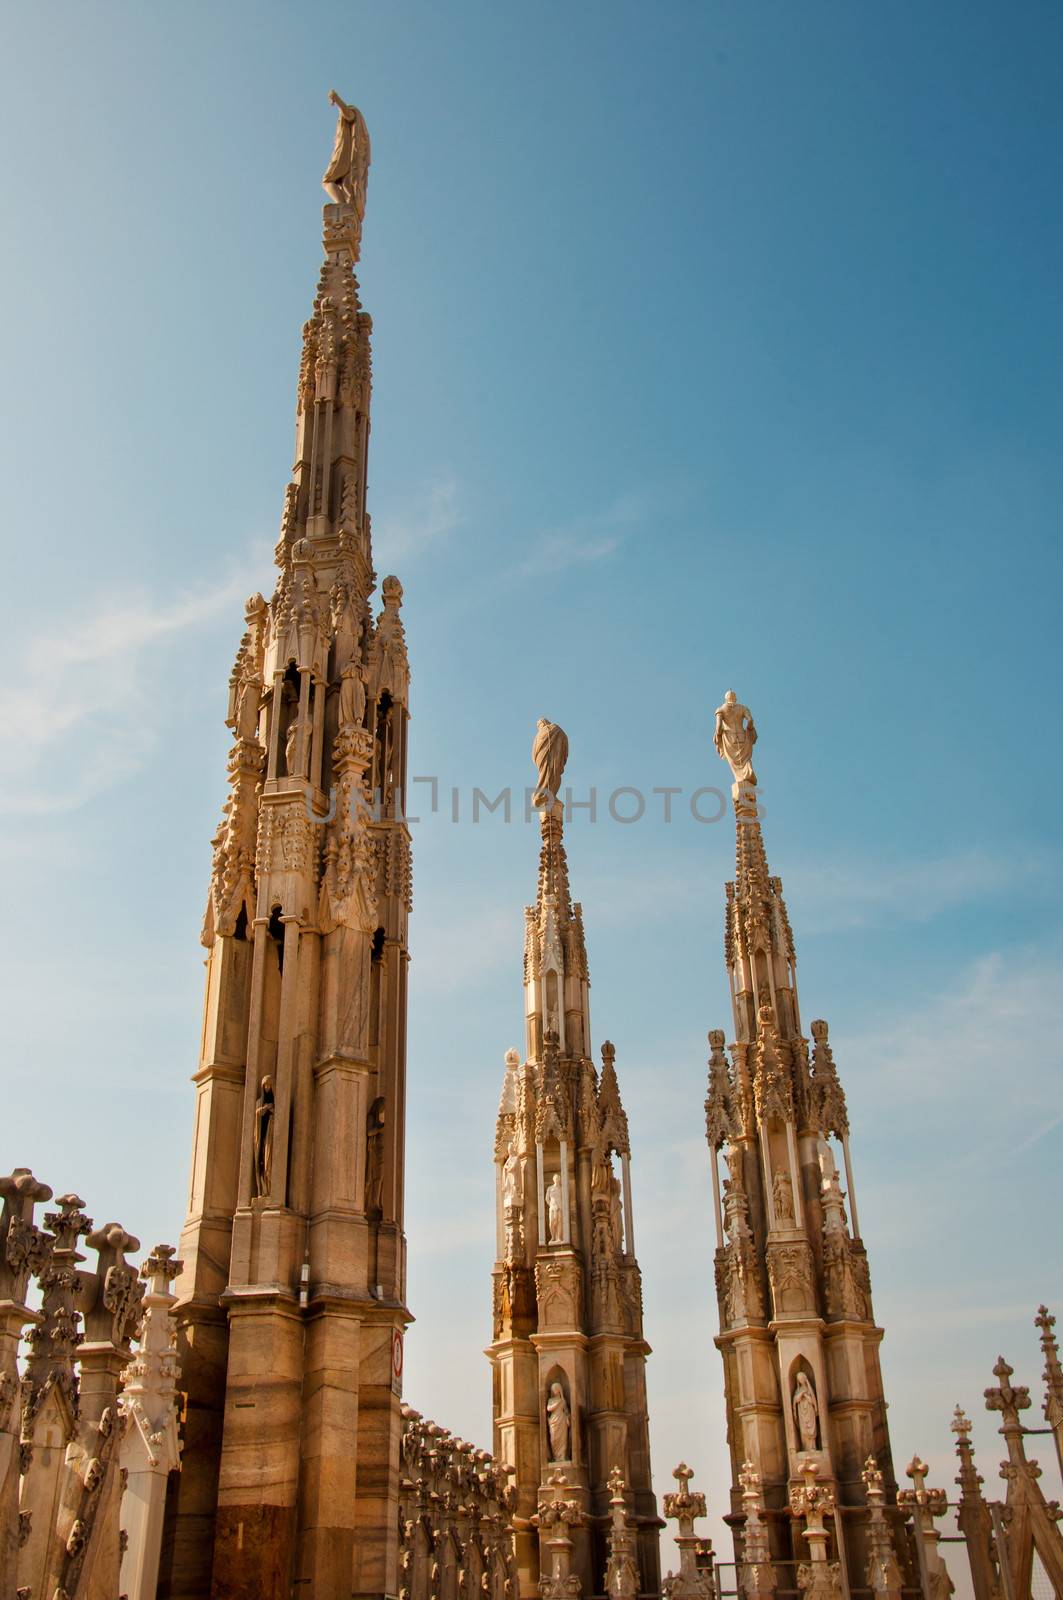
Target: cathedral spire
x=568 y=1349
x=797 y=1330
x=291 y=1302
x=556 y=980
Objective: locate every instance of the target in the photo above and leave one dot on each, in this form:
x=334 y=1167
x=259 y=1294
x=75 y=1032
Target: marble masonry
x=227 y=1421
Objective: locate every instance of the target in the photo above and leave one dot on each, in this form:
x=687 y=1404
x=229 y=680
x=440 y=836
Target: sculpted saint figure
x=735 y=737
x=828 y=1167
x=264 y=1137
x=782 y=1193
x=616 y=1213
x=291 y=747
x=806 y=1412
x=558 y=1422
x=549 y=752
x=347 y=172
x=512 y=1188
x=247 y=708
x=374 y=1159
x=352 y=696
x=554 y=1210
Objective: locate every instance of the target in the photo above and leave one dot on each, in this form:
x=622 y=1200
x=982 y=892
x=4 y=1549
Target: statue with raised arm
x=512 y=1183
x=348 y=171
x=549 y=752
x=735 y=737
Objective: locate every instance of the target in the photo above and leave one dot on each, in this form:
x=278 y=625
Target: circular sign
x=396 y=1353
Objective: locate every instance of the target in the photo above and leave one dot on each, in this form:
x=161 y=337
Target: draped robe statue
x=806 y=1412
x=735 y=737
x=264 y=1138
x=549 y=752
x=558 y=1423
x=346 y=175
x=512 y=1187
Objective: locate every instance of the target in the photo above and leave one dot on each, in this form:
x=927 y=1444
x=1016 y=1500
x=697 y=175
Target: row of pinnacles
x=302 y=1470
x=88 y=1417
x=1013 y=1546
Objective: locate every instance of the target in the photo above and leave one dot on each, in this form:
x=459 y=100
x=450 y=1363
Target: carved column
x=555 y=1517
x=924 y=1505
x=1030 y=1522
x=50 y=1393
x=683 y=1507
x=1053 y=1378
x=819 y=1578
x=149 y=1449
x=757 y=1575
x=23 y=1249
x=972 y=1517
x=87 y=1526
x=883 y=1573
x=621 y=1573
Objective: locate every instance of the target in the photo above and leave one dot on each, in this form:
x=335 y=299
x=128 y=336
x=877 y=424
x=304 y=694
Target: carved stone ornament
x=734 y=738
x=550 y=754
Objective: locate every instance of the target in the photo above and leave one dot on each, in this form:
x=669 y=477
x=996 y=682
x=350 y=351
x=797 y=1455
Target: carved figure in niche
x=558 y=1423
x=385 y=752
x=735 y=737
x=555 y=1210
x=782 y=1194
x=374 y=1159
x=605 y=1187
x=828 y=1167
x=734 y=1166
x=806 y=1412
x=345 y=177
x=247 y=709
x=264 y=1137
x=549 y=752
x=291 y=747
x=616 y=1223
x=352 y=696
x=512 y=1186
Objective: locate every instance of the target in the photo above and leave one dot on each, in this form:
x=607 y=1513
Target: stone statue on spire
x=348 y=171
x=735 y=737
x=549 y=752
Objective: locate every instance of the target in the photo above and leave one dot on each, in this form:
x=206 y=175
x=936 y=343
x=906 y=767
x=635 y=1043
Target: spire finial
x=550 y=753
x=734 y=738
x=346 y=177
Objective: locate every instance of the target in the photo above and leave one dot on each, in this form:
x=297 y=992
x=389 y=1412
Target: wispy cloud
x=990 y=1038
x=583 y=540
x=84 y=716
x=837 y=895
x=402 y=533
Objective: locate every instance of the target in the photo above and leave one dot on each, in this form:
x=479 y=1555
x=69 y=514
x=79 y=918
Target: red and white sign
x=396 y=1361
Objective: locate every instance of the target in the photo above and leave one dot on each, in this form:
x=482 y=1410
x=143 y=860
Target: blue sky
x=715 y=345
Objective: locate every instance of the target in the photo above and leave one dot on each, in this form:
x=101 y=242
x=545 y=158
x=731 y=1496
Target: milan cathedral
x=226 y=1421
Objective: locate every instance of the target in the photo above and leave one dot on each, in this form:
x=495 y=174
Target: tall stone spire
x=568 y=1351
x=291 y=1303
x=797 y=1331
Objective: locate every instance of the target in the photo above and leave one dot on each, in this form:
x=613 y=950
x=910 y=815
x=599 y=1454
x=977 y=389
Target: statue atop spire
x=735 y=737
x=348 y=171
x=549 y=752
